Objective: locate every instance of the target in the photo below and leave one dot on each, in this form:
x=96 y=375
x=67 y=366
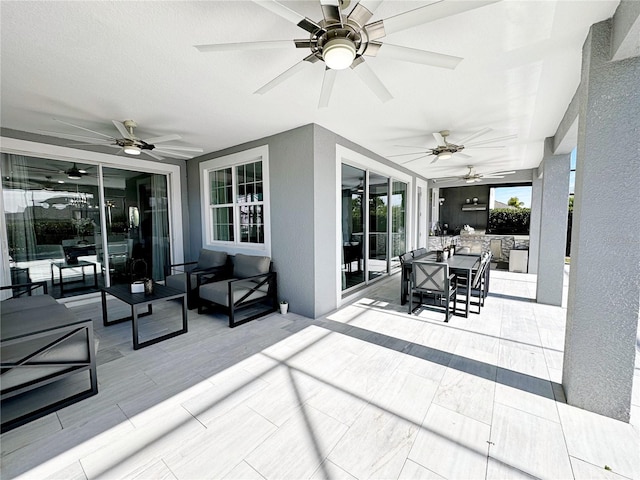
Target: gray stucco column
x=604 y=283
x=534 y=223
x=553 y=225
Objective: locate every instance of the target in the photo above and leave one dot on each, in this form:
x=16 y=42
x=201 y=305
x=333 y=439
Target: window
x=234 y=199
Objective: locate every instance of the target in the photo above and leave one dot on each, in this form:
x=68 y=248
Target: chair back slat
x=430 y=275
x=404 y=257
x=484 y=264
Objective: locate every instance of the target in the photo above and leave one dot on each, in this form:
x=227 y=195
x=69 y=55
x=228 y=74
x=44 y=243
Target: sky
x=503 y=194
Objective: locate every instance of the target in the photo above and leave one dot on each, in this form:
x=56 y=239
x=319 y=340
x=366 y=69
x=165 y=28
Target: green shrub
x=503 y=221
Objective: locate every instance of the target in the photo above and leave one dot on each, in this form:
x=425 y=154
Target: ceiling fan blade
x=414 y=55
x=491 y=140
x=475 y=147
x=85 y=129
x=479 y=133
x=179 y=148
x=153 y=155
x=437 y=157
x=286 y=74
x=172 y=153
x=327 y=87
x=407 y=154
x=371 y=80
x=499 y=173
x=446 y=179
x=70 y=136
x=240 y=46
x=363 y=12
x=414 y=159
x=429 y=13
x=331 y=11
x=439 y=139
x=122 y=129
x=163 y=138
x=290 y=15
x=92 y=144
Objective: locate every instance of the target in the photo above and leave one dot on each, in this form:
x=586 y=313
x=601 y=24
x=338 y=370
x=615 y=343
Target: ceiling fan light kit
x=339 y=53
x=132 y=150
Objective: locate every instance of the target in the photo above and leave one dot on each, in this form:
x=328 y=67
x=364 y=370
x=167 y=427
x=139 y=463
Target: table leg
x=104 y=308
x=134 y=323
x=61 y=283
x=95 y=276
x=137 y=344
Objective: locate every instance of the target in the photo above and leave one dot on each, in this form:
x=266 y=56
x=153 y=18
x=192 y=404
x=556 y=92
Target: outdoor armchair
x=187 y=277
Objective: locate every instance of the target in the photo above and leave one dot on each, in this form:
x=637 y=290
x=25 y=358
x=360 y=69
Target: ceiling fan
x=472 y=176
x=342 y=40
x=444 y=149
x=129 y=143
x=74 y=173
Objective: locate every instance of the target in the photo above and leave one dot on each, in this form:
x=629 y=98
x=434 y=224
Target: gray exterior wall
x=604 y=287
x=302 y=167
x=292 y=207
x=553 y=226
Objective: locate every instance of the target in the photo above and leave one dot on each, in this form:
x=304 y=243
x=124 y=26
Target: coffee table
x=160 y=293
x=78 y=264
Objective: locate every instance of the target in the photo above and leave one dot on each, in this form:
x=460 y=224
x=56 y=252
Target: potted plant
x=284 y=307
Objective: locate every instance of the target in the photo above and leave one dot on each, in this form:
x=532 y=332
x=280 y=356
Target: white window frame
x=257 y=154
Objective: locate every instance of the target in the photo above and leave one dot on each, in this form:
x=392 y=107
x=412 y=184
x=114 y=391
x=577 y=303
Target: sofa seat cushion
x=218 y=292
x=20 y=304
x=210 y=259
x=250 y=265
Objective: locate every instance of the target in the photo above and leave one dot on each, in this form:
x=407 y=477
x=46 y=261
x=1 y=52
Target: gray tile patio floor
x=365 y=392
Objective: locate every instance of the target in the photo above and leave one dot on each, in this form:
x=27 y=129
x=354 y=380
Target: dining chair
x=478 y=284
x=404 y=257
x=419 y=252
x=434 y=280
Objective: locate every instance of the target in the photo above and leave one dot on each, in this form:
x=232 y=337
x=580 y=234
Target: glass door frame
x=56 y=152
x=357 y=160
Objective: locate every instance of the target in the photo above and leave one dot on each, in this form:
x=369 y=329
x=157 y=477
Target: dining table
x=460 y=264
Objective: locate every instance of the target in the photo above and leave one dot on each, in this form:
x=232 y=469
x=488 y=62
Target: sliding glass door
x=378 y=224
x=353 y=237
x=58 y=228
x=371 y=242
x=398 y=221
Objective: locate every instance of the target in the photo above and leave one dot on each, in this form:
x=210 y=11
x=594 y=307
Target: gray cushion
x=179 y=281
x=218 y=292
x=24 y=303
x=211 y=258
x=249 y=265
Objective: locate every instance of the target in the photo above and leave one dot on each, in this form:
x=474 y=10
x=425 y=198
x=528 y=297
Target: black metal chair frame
x=479 y=283
x=448 y=293
x=270 y=279
x=203 y=275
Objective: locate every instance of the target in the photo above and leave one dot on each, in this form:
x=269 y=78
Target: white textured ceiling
x=93 y=61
